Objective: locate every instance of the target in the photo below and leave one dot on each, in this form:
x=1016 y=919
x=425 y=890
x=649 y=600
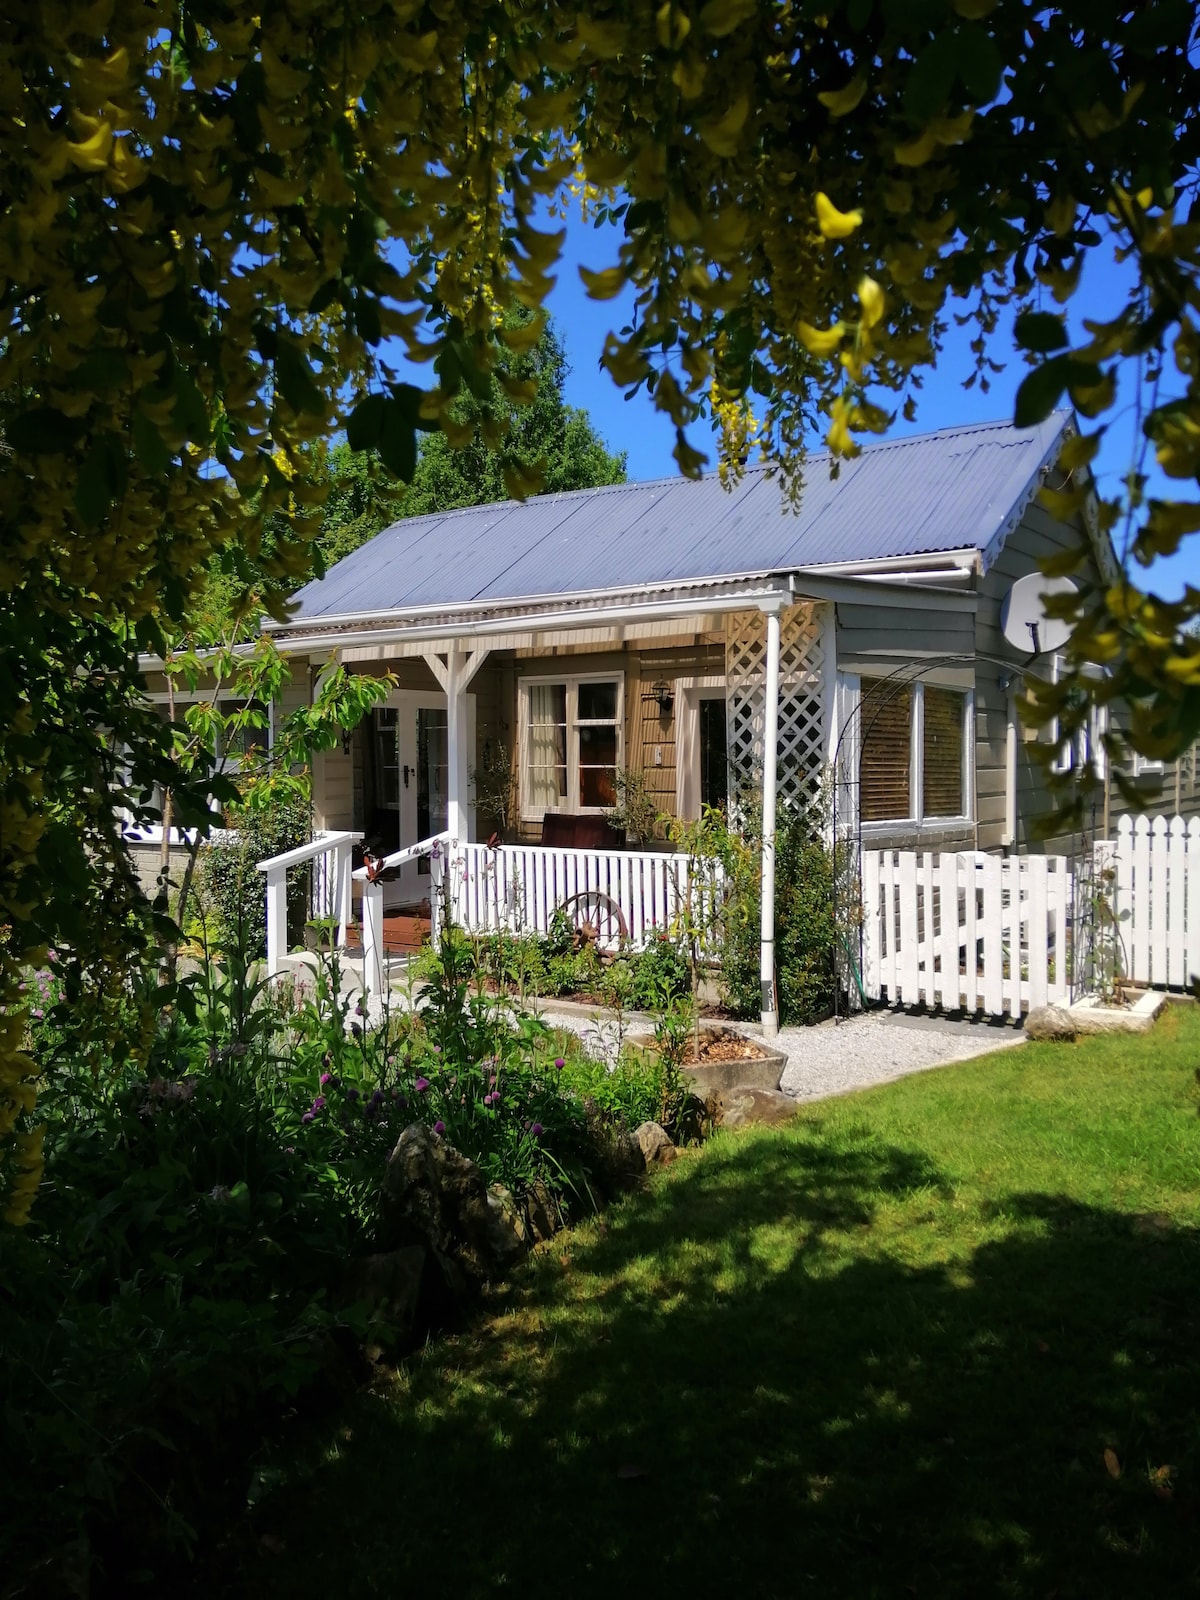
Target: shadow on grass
x=793 y=1367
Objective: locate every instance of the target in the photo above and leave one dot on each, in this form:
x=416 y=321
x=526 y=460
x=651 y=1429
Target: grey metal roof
x=949 y=490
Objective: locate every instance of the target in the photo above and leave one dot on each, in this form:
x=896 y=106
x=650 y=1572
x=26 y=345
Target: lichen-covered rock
x=1050 y=1023
x=619 y=1163
x=543 y=1218
x=389 y=1285
x=655 y=1144
x=745 y=1108
x=433 y=1196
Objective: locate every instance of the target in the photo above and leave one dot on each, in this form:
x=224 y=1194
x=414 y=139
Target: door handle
x=406 y=769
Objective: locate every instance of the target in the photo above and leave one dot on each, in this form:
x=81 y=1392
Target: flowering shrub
x=203 y=1193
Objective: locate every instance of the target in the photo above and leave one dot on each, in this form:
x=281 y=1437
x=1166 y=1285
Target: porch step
x=403 y=932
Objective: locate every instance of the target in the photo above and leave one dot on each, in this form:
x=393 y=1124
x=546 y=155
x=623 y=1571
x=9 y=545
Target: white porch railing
x=1155 y=894
x=437 y=848
x=330 y=854
x=623 y=896
x=966 y=930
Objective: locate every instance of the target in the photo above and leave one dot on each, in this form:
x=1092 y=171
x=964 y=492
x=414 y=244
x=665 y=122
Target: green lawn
x=881 y=1353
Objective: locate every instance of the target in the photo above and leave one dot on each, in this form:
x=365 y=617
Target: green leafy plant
x=637 y=811
x=807 y=936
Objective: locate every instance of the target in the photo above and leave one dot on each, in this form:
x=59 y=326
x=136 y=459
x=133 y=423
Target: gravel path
x=836 y=1058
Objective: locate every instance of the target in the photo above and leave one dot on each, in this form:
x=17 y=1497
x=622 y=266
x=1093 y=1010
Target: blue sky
x=647 y=437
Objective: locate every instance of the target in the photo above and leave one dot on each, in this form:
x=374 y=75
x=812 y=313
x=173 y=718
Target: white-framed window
x=1087 y=744
x=914 y=753
x=571 y=734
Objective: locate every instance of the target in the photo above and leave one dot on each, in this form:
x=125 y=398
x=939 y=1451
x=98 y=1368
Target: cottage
x=693 y=635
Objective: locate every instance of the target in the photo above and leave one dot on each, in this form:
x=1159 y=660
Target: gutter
x=336 y=638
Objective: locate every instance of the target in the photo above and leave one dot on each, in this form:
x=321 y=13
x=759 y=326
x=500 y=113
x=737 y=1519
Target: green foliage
x=544 y=434
x=233 y=888
x=494 y=781
x=806 y=931
x=552 y=965
x=359 y=500
x=636 y=812
x=180 y=1283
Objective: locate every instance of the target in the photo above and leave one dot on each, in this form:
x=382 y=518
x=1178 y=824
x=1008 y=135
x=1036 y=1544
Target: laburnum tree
x=227 y=230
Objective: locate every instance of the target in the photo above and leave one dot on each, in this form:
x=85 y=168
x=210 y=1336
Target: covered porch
x=701 y=693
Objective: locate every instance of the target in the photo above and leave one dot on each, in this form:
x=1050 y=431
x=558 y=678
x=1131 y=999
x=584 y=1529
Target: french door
x=421 y=782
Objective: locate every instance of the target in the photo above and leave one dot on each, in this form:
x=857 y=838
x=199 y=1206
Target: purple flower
x=377 y=1097
x=559 y=1063
x=421 y=1085
x=319 y=1103
x=439 y=1127
x=537 y=1130
x=37 y=1012
x=351 y=1094
x=307 y=1117
x=437 y=1049
x=324 y=1079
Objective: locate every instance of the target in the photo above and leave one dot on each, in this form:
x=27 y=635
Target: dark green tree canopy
x=543 y=434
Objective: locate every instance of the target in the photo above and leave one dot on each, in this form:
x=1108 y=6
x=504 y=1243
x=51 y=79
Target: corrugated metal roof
x=948 y=490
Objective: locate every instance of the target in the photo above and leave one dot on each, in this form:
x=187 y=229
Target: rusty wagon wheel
x=596 y=918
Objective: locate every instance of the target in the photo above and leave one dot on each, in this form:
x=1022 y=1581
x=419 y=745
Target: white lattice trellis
x=802 y=697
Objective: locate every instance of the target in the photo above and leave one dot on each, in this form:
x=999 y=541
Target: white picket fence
x=964 y=929
x=623 y=895
x=1155 y=894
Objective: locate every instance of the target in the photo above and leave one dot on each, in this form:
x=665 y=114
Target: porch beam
x=438 y=666
x=770 y=1004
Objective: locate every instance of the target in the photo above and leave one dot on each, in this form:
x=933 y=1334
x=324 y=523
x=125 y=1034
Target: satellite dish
x=1023 y=619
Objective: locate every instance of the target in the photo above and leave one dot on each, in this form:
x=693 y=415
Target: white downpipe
x=770 y=1006
x=1010 y=774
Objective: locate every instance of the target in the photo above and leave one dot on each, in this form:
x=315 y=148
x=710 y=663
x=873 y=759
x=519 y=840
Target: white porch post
x=770 y=1005
x=372 y=938
x=276 y=919
x=455 y=676
x=456 y=745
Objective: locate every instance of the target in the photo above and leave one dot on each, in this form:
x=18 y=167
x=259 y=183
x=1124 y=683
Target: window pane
x=432 y=771
x=714 y=764
x=386 y=760
x=943 y=753
x=886 y=740
x=597 y=765
x=597 y=702
x=546 y=772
